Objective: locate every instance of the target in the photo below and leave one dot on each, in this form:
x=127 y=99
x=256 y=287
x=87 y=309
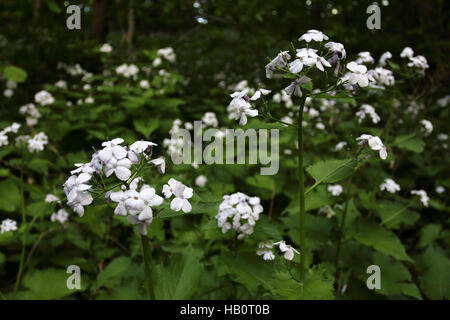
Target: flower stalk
x=148 y=276
x=301 y=181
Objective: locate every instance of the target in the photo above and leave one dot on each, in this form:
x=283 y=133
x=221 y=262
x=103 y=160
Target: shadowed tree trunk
x=98 y=23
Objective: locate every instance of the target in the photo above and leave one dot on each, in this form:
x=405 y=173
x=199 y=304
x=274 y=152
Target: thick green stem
x=22 y=254
x=301 y=181
x=148 y=275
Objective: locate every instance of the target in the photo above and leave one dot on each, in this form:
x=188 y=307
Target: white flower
x=364 y=57
x=423 y=196
x=385 y=56
x=427 y=126
x=278 y=62
x=61 y=84
x=210 y=119
x=8 y=225
x=8 y=93
x=313 y=35
x=335 y=189
x=407 y=52
x=144 y=84
x=127 y=71
x=442 y=137
x=258 y=93
x=201 y=181
x=310 y=58
x=106 y=48
x=295 y=86
x=358 y=75
x=167 y=53
x=160 y=163
x=38 y=142
x=287 y=249
x=181 y=193
x=375 y=143
x=382 y=76
x=75 y=185
x=440 y=189
x=3 y=139
x=240 y=212
x=43 y=98
x=336 y=47
x=367 y=109
x=51 y=198
x=157 y=62
x=340 y=145
x=390 y=186
x=265 y=250
x=120 y=167
x=419 y=62
x=239 y=108
x=82 y=199
x=61 y=216
x=89 y=100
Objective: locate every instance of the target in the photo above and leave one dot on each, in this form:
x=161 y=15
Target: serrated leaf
x=382 y=240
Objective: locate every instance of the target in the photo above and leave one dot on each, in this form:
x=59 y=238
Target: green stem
x=148 y=275
x=342 y=226
x=301 y=181
x=22 y=254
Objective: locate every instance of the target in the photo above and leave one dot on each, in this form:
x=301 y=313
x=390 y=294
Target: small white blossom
x=106 y=48
x=313 y=35
x=423 y=196
x=374 y=143
x=52 y=198
x=407 y=52
x=440 y=189
x=427 y=126
x=390 y=186
x=286 y=249
x=43 y=98
x=181 y=193
x=210 y=119
x=201 y=181
x=8 y=225
x=335 y=189
x=61 y=216
x=341 y=145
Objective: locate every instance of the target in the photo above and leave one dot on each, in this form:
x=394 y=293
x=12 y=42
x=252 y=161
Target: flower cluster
x=8 y=225
x=389 y=185
x=137 y=202
x=128 y=71
x=44 y=98
x=419 y=62
x=240 y=108
x=265 y=249
x=134 y=199
x=61 y=216
x=240 y=212
x=10 y=87
x=106 y=48
x=13 y=128
x=367 y=110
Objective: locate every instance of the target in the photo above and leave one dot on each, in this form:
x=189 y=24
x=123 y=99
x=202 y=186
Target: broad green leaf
x=48 y=284
x=114 y=272
x=435 y=282
x=410 y=142
x=429 y=233
x=330 y=171
x=15 y=74
x=179 y=278
x=394 y=214
x=10 y=198
x=382 y=240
